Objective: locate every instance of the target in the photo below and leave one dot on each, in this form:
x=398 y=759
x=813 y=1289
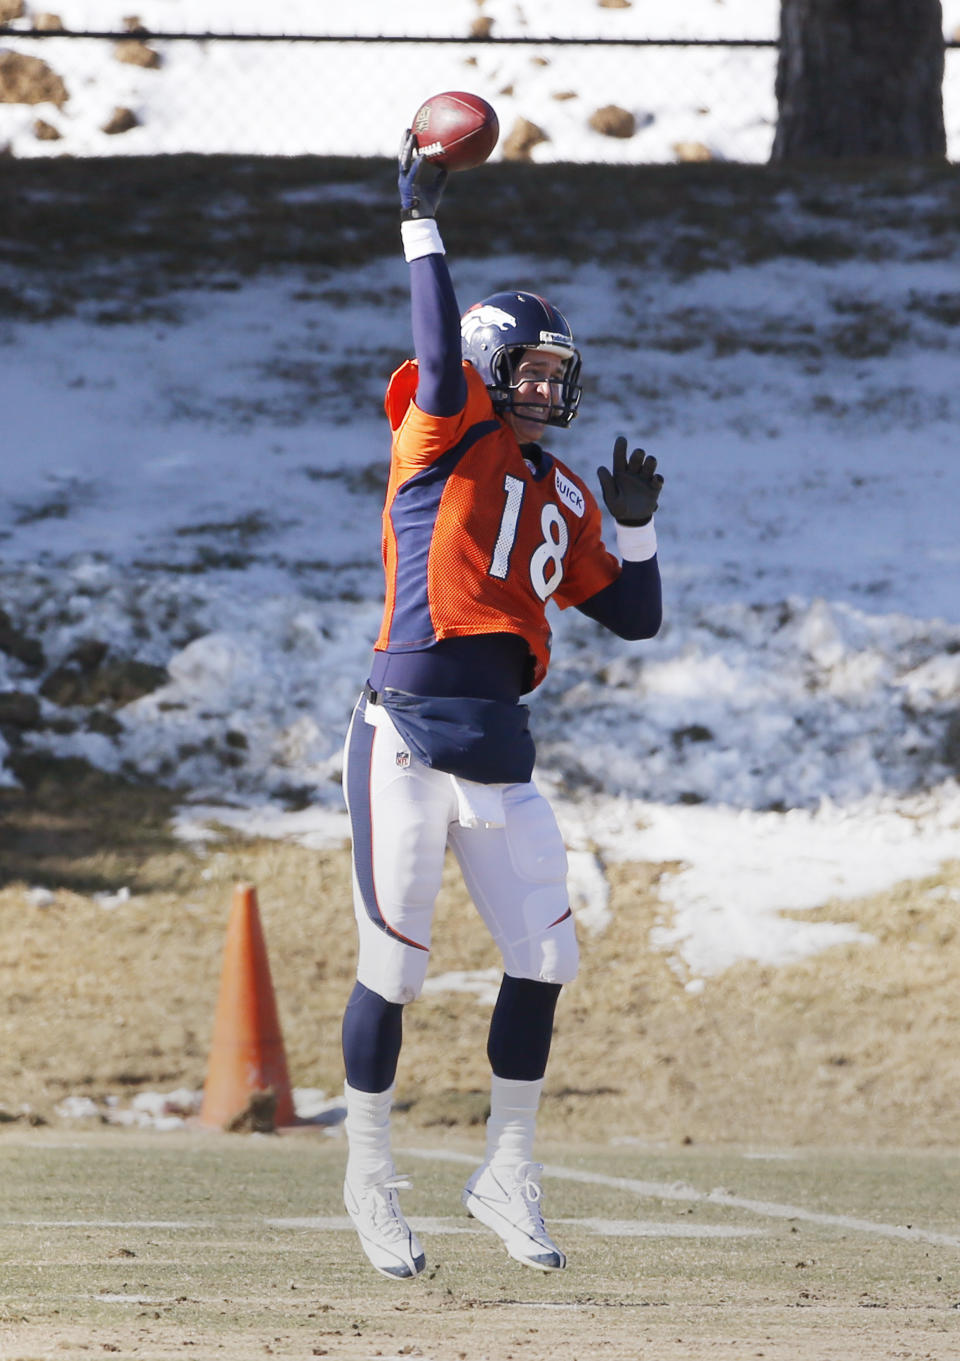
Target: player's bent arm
x=632 y=605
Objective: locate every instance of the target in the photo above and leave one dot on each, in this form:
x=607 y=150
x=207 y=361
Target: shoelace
x=529 y=1187
x=385 y=1210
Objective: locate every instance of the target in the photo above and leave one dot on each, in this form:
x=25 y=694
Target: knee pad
x=387 y=965
x=547 y=951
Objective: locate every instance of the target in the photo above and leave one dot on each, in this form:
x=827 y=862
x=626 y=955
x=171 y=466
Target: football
x=455 y=130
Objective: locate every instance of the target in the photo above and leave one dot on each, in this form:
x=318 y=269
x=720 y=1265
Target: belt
x=377 y=696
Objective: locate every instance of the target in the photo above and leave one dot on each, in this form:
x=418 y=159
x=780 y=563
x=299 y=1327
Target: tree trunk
x=860 y=78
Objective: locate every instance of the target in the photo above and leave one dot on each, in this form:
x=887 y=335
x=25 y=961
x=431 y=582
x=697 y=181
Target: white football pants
x=505 y=837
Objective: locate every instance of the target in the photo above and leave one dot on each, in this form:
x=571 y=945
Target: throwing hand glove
x=420 y=181
x=632 y=490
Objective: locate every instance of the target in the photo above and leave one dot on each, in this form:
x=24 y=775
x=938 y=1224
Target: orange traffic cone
x=247 y=1077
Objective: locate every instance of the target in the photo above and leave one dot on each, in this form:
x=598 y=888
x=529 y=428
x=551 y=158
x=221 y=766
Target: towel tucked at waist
x=485 y=740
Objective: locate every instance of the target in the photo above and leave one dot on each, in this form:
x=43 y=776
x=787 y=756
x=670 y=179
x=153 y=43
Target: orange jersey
x=474 y=541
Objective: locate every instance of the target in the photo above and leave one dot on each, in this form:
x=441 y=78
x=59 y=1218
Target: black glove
x=631 y=491
x=420 y=181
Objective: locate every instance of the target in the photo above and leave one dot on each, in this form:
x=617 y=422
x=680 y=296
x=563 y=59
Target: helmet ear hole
x=500 y=382
x=512 y=359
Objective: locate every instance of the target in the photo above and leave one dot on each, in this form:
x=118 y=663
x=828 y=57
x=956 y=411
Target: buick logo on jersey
x=569 y=494
x=485 y=315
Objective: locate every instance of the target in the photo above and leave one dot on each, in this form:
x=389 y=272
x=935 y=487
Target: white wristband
x=420 y=236
x=637 y=543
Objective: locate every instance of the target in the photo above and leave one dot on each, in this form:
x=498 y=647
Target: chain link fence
x=599 y=100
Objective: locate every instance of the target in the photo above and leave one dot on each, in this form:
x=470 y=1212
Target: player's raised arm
x=441 y=388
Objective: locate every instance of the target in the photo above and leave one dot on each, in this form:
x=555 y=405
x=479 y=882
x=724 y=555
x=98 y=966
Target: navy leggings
x=518 y=1045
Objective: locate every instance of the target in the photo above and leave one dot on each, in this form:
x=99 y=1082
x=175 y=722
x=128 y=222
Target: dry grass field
x=206 y=1245
x=856 y=1046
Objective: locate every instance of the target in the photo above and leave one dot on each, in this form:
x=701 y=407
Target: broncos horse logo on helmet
x=496 y=332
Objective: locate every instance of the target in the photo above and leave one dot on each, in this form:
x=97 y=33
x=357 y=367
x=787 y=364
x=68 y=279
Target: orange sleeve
x=419 y=438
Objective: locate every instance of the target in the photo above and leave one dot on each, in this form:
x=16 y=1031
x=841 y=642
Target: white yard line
x=109 y=1223
x=647 y=1228
x=449 y=1224
x=604 y=1228
x=659 y=1190
x=328 y=1223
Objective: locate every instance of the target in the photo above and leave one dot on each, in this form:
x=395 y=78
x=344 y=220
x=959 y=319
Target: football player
x=482 y=528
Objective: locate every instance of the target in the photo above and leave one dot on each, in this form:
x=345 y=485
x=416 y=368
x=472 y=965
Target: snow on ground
x=202 y=492
x=785 y=737
x=165 y=1111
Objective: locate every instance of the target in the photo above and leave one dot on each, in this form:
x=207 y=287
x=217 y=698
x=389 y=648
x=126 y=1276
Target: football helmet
x=496 y=332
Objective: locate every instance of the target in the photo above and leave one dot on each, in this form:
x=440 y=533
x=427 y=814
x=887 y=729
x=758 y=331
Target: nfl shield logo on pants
x=403 y=759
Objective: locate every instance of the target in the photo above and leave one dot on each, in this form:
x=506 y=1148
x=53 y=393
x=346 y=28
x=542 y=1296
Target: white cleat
x=385 y=1236
x=509 y=1203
